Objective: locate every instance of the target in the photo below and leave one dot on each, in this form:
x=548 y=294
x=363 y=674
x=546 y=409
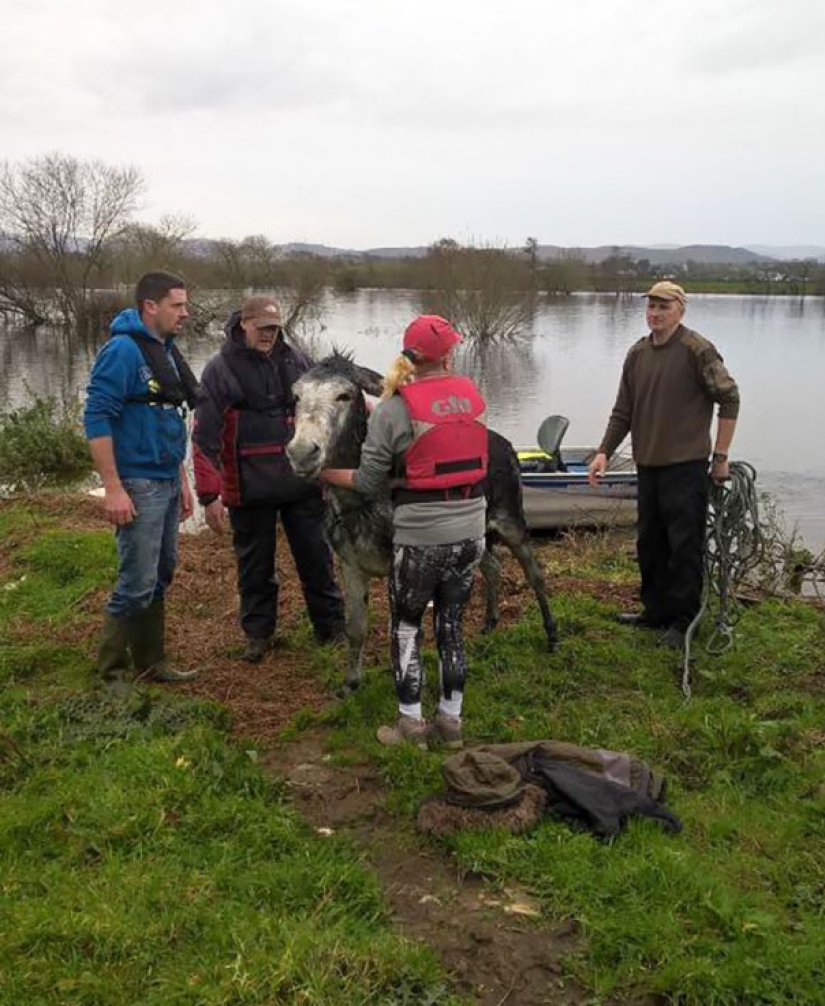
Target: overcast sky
x=375 y=122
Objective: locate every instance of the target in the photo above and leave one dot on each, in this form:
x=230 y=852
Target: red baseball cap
x=430 y=337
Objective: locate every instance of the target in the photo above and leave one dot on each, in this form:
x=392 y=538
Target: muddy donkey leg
x=518 y=541
x=356 y=598
x=491 y=572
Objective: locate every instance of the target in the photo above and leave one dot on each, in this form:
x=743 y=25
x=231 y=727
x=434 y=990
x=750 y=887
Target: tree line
x=71 y=249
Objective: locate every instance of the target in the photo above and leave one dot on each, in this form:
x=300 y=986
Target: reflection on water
x=569 y=364
x=44 y=364
x=506 y=375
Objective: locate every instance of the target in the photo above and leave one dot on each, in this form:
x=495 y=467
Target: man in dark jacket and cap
x=243 y=423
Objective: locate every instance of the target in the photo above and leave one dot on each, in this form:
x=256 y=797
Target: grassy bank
x=730 y=911
x=144 y=857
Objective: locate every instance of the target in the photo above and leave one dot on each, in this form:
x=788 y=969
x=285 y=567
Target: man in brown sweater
x=670 y=382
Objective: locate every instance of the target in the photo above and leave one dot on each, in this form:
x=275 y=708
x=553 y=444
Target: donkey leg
x=356 y=599
x=517 y=540
x=491 y=572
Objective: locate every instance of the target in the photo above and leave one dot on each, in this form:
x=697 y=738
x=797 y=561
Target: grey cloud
x=252 y=56
x=418 y=119
x=223 y=77
x=199 y=85
x=764 y=39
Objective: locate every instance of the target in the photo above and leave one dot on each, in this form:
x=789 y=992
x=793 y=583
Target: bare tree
x=300 y=282
x=258 y=256
x=488 y=293
x=141 y=247
x=235 y=269
x=60 y=213
x=565 y=274
x=531 y=250
x=24 y=289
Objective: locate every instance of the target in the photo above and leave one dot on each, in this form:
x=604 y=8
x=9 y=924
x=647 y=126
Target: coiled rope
x=734 y=545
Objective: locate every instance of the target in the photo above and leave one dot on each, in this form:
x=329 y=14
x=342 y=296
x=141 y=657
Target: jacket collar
x=129 y=322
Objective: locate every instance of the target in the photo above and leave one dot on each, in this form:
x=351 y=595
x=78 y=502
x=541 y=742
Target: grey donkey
x=330 y=428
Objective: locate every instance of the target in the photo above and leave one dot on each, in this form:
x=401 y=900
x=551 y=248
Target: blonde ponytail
x=401 y=372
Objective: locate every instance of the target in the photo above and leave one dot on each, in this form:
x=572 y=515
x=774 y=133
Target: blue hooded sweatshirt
x=149 y=440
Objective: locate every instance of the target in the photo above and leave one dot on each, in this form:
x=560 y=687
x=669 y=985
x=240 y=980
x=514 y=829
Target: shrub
x=41 y=444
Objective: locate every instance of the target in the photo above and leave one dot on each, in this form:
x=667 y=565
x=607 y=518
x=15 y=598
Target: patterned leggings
x=442 y=574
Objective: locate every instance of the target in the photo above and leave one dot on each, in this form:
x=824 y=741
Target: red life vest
x=447 y=458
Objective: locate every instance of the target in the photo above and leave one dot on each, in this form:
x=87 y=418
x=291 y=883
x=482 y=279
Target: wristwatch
x=719 y=456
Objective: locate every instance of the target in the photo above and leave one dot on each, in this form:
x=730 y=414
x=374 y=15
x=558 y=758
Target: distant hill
x=206 y=246
x=788 y=252
x=657 y=255
x=301 y=248
x=715 y=254
x=416 y=251
x=677 y=255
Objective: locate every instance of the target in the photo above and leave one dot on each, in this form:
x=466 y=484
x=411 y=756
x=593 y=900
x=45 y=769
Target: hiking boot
x=256 y=648
x=446 y=731
x=672 y=639
x=147 y=643
x=406 y=730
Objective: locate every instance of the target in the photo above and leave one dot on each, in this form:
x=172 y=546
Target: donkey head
x=331 y=415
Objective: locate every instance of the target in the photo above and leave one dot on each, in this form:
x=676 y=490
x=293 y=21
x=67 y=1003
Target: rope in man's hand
x=733 y=546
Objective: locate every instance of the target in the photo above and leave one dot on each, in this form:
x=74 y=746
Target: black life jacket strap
x=403 y=495
x=178 y=385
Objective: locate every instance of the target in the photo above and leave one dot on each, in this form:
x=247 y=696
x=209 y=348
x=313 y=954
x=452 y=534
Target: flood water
x=569 y=364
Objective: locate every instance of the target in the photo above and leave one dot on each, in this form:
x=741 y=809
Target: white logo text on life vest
x=452 y=406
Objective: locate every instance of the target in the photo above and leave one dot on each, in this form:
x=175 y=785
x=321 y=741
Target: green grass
x=731 y=911
x=146 y=859
x=52 y=572
x=144 y=856
x=57 y=570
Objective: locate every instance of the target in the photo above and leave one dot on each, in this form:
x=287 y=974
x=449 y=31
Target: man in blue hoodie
x=138 y=391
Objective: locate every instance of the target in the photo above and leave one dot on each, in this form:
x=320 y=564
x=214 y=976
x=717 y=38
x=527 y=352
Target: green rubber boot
x=113 y=655
x=147 y=643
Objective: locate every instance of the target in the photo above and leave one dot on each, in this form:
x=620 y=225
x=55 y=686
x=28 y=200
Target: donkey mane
x=339 y=363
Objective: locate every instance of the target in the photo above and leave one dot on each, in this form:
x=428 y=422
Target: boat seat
x=549 y=438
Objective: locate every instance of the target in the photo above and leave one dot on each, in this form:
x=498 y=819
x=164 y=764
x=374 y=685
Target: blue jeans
x=148 y=547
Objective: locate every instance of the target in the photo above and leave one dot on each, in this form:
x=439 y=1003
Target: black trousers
x=673 y=503
x=442 y=574
x=254 y=540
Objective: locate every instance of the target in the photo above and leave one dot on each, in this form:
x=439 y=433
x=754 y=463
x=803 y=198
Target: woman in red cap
x=428 y=438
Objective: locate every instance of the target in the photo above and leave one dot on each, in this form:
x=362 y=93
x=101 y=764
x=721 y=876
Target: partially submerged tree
x=488 y=293
x=57 y=216
x=565 y=274
x=531 y=250
x=24 y=286
x=300 y=284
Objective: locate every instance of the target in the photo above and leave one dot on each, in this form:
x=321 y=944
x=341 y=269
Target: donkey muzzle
x=305 y=457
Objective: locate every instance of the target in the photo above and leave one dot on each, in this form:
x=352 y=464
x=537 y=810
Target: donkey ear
x=369 y=380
